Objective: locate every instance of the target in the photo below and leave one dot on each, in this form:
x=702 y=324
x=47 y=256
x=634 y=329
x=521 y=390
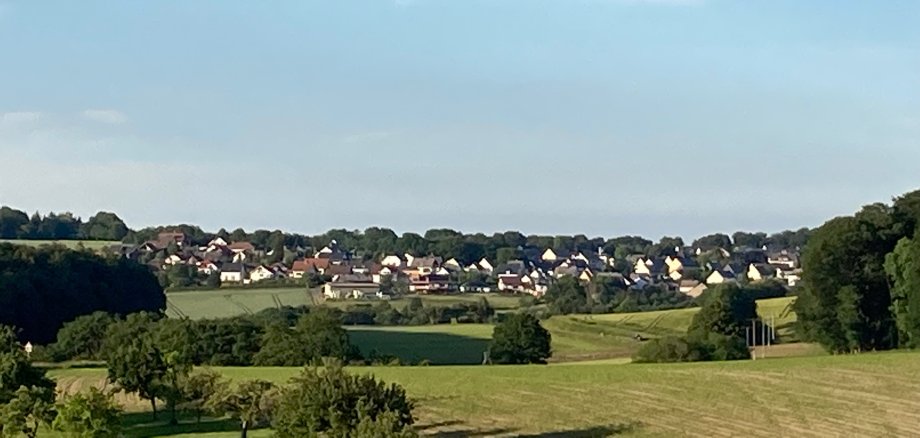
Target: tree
x=104 y=226
x=743 y=239
x=520 y=339
x=30 y=408
x=846 y=302
x=903 y=266
x=329 y=402
x=320 y=334
x=249 y=402
x=200 y=388
x=82 y=338
x=134 y=361
x=16 y=370
x=42 y=288
x=12 y=222
x=92 y=414
x=727 y=310
x=713 y=241
x=566 y=295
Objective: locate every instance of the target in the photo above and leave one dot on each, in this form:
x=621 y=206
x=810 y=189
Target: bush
x=669 y=349
x=693 y=349
x=82 y=338
x=90 y=414
x=330 y=402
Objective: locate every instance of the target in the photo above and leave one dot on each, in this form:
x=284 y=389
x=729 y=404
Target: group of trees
x=268 y=338
x=717 y=331
x=287 y=336
x=416 y=313
x=27 y=399
x=861 y=280
x=319 y=402
x=41 y=288
x=16 y=224
x=376 y=242
x=602 y=295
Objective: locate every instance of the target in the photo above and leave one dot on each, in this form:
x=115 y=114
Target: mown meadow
x=873 y=394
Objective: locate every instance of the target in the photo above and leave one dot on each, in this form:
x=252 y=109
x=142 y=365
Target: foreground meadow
x=858 y=395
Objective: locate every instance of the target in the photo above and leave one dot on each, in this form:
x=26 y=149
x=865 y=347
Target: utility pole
x=754 y=338
x=763 y=340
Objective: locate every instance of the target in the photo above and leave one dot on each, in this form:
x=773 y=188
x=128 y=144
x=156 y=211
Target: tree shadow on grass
x=414 y=347
x=142 y=425
x=589 y=432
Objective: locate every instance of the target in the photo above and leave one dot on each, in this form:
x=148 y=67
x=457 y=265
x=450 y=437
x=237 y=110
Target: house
x=241 y=247
x=173 y=260
x=486 y=266
x=550 y=255
x=721 y=276
x=427 y=282
x=475 y=286
x=234 y=273
x=649 y=267
x=760 y=271
x=784 y=259
x=393 y=261
x=167 y=237
x=697 y=290
x=792 y=277
x=309 y=266
x=332 y=252
x=426 y=264
x=207 y=267
x=685 y=286
x=343 y=290
x=586 y=275
x=218 y=242
x=453 y=265
x=262 y=272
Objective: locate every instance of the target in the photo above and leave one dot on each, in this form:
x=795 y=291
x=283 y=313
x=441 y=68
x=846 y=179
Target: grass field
x=73 y=244
x=575 y=337
x=231 y=302
x=875 y=394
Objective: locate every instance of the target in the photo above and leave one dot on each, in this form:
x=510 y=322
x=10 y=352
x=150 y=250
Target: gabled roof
x=233 y=267
x=241 y=246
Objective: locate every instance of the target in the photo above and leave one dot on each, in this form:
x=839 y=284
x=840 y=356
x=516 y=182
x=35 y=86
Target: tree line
x=861 y=284
x=16 y=224
x=41 y=288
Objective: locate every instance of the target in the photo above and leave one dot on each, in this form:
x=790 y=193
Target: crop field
x=873 y=394
x=232 y=302
x=94 y=245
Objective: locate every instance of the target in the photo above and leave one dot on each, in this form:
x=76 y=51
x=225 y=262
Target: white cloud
x=112 y=117
x=19 y=117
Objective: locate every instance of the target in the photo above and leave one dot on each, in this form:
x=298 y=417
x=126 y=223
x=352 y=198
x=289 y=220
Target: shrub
x=330 y=402
x=91 y=414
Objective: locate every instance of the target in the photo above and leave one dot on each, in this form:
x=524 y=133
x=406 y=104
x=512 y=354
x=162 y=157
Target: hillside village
x=686 y=269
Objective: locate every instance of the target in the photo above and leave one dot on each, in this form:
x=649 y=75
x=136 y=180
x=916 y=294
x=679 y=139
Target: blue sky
x=603 y=117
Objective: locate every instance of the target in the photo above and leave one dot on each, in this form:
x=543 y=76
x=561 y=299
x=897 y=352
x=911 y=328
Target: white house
x=550 y=255
x=485 y=266
x=260 y=273
x=393 y=261
x=719 y=277
x=234 y=273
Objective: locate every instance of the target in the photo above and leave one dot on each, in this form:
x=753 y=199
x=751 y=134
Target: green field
x=873 y=394
x=232 y=302
x=575 y=337
x=73 y=244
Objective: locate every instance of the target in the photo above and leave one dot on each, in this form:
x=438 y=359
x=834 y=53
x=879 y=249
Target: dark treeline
x=375 y=242
x=278 y=336
x=862 y=287
x=16 y=224
x=42 y=288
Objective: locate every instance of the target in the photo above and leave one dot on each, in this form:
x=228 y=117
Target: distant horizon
x=599 y=117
